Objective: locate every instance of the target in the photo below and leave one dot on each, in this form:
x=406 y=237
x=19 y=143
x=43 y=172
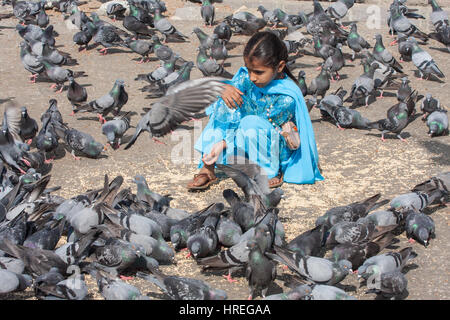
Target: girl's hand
x=232 y=96
x=216 y=150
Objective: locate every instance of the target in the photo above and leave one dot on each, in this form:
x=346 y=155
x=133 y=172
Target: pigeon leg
x=367 y=101
x=382 y=137
x=141 y=61
x=29 y=141
x=53 y=86
x=61 y=89
x=339 y=127
x=400 y=137
x=319 y=67
x=101 y=119
x=229 y=278
x=73 y=155
x=26 y=162
x=158 y=141
x=393 y=43
x=411 y=240
x=125 y=278
x=381 y=95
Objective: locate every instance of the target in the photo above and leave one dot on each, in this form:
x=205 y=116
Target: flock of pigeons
x=113 y=233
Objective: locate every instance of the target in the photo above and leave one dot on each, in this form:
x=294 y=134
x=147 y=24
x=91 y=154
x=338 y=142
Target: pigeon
x=399 y=23
x=442 y=35
x=12 y=264
x=162 y=52
x=321 y=49
x=143 y=14
x=405 y=90
x=19 y=123
x=260 y=271
x=228 y=231
x=440 y=181
x=326 y=292
x=30 y=62
x=56 y=74
x=302 y=83
x=423 y=61
x=347 y=232
x=319 y=21
x=136 y=27
x=358 y=253
x=438 y=17
x=113 y=102
x=203 y=242
x=218 y=49
x=339 y=9
x=242 y=212
x=301 y=292
x=382 y=55
x=32 y=32
x=37 y=261
x=355 y=41
x=209 y=66
x=42 y=19
x=73 y=251
x=207 y=12
x=171 y=110
x=174 y=78
x=152 y=199
x=13 y=282
x=183 y=229
x=383 y=218
x=76 y=93
x=389 y=284
x=180 y=288
x=115 y=129
x=247 y=28
x=167 y=67
x=351 y=212
x=82 y=38
x=429 y=105
x=46 y=238
x=72 y=288
x=417 y=200
x=52 y=113
x=315 y=269
x=420 y=227
x=114 y=10
x=80 y=142
x=108 y=37
x=45 y=284
x=267 y=15
x=10 y=152
x=386 y=262
x=309 y=243
x=404 y=47
x=345 y=117
x=115 y=289
x=205 y=39
x=320 y=84
x=141 y=47
x=223 y=31
x=335 y=62
x=168 y=31
x=437 y=123
x=397 y=120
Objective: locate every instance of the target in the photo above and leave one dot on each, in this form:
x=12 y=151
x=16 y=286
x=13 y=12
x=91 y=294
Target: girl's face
x=260 y=74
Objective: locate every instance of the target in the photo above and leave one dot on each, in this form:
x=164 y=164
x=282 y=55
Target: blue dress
x=253 y=129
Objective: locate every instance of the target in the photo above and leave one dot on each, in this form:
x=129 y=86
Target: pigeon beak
x=105 y=147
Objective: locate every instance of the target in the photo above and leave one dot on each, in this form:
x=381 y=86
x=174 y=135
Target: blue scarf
x=303 y=164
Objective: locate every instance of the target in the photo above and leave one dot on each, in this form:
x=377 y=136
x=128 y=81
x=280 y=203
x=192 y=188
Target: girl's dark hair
x=267 y=47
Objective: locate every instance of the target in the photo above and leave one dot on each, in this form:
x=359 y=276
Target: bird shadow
x=389 y=136
x=402 y=296
x=409 y=267
x=231 y=45
x=432 y=77
x=116 y=50
x=444 y=50
x=6 y=100
x=346 y=287
x=439 y=149
x=160 y=296
x=59 y=152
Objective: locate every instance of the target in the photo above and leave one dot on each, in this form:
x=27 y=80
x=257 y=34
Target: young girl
x=247 y=120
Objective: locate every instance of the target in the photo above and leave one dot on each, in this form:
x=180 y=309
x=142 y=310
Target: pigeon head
x=346 y=265
x=94 y=148
x=433 y=129
x=301 y=74
x=423 y=236
x=428 y=96
x=24 y=112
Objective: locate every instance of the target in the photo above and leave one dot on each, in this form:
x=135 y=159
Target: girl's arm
x=282 y=110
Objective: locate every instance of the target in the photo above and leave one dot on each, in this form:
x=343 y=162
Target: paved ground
x=356 y=164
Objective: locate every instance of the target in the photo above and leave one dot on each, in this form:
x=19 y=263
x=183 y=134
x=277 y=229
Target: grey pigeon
x=152 y=199
x=218 y=50
x=73 y=251
x=356 y=42
x=423 y=61
x=429 y=105
x=309 y=243
x=228 y=231
x=405 y=90
x=438 y=17
x=437 y=123
x=302 y=82
x=440 y=181
x=108 y=37
x=203 y=242
x=207 y=12
x=162 y=51
x=47 y=237
x=113 y=102
x=301 y=292
x=351 y=212
x=242 y=212
x=260 y=271
x=174 y=78
x=247 y=27
x=319 y=21
x=399 y=23
x=13 y=282
x=166 y=28
x=223 y=31
x=346 y=232
x=420 y=227
x=209 y=66
x=386 y=262
x=318 y=270
x=442 y=35
x=345 y=117
x=267 y=15
x=326 y=292
x=115 y=289
x=115 y=129
x=141 y=47
x=114 y=10
x=178 y=105
x=339 y=9
x=180 y=288
x=358 y=253
x=389 y=284
x=417 y=200
x=383 y=218
x=30 y=62
x=320 y=84
x=364 y=85
x=82 y=38
x=335 y=61
x=12 y=264
x=382 y=55
x=80 y=142
x=167 y=67
x=72 y=288
x=136 y=27
x=205 y=39
x=10 y=152
x=56 y=74
x=42 y=19
x=404 y=47
x=45 y=284
x=76 y=93
x=32 y=32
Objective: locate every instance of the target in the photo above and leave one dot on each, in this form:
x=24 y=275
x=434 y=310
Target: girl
x=247 y=120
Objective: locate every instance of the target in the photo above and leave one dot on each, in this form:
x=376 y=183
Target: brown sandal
x=280 y=182
x=202 y=181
